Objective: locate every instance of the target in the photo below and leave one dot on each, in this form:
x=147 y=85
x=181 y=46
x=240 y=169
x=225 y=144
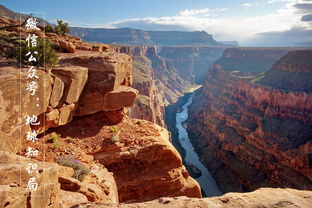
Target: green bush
x=80 y=169
x=113 y=128
x=55 y=139
x=49 y=29
x=62 y=28
x=46 y=55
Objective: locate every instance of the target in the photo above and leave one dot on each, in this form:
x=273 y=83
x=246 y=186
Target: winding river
x=206 y=181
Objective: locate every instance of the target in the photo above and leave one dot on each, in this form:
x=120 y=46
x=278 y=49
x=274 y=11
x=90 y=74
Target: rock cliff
x=293 y=72
x=192 y=61
x=252 y=135
x=150 y=102
x=265 y=197
x=250 y=61
x=81 y=108
x=141 y=37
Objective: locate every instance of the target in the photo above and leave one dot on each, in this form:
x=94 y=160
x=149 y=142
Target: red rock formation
x=266 y=197
x=147 y=167
x=250 y=135
x=56 y=187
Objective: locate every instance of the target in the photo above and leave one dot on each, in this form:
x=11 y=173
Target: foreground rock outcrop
x=55 y=185
x=80 y=99
x=265 y=197
x=144 y=162
x=251 y=135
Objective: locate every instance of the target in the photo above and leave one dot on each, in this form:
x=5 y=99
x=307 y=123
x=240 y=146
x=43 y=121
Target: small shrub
x=80 y=169
x=113 y=128
x=49 y=29
x=46 y=55
x=116 y=138
x=55 y=140
x=62 y=28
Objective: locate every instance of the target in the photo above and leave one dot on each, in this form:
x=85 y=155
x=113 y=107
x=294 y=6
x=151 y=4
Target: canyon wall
x=162 y=77
x=255 y=132
x=192 y=61
x=250 y=61
x=141 y=37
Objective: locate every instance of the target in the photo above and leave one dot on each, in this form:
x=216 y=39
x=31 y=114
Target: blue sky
x=242 y=20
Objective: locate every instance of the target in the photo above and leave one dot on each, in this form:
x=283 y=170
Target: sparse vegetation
x=43 y=53
x=80 y=169
x=49 y=29
x=116 y=138
x=62 y=28
x=113 y=128
x=55 y=140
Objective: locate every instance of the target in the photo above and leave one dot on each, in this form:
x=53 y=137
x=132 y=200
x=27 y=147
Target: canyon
x=255 y=131
x=104 y=110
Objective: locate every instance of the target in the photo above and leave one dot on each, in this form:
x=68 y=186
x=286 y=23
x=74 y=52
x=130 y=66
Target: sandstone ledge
x=264 y=197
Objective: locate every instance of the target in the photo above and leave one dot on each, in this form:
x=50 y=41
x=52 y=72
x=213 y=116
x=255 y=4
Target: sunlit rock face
x=256 y=131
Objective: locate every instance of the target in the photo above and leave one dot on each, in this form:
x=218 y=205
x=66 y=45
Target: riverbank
x=175 y=119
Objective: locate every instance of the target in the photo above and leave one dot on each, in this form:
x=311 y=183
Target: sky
x=251 y=22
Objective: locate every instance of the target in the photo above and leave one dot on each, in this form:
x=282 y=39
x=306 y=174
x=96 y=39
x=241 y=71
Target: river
x=206 y=181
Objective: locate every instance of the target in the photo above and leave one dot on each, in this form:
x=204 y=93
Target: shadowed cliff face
x=292 y=72
x=253 y=136
x=192 y=62
x=250 y=61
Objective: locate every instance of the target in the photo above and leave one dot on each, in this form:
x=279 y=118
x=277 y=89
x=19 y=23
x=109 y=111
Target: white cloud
x=205 y=11
x=247 y=4
x=237 y=28
x=188 y=12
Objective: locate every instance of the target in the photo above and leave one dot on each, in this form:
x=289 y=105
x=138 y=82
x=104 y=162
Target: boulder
x=122 y=96
x=57 y=92
x=105 y=74
x=69 y=47
x=147 y=167
x=74 y=79
x=69 y=199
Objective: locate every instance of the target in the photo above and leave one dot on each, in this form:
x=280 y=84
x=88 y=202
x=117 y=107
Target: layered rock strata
x=82 y=85
x=192 y=62
x=250 y=135
x=250 y=61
